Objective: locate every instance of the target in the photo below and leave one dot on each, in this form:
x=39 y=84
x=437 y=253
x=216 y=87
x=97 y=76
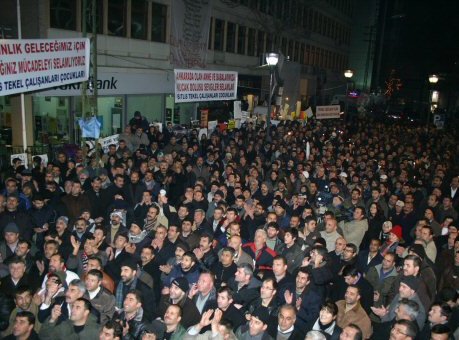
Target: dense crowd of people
x=323 y=230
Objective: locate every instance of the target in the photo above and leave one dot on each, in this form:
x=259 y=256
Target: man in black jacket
x=285 y=328
x=230 y=312
x=20 y=218
x=94 y=196
x=129 y=281
x=177 y=295
x=132 y=315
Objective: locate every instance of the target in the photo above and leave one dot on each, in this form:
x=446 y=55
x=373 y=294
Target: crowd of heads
x=317 y=230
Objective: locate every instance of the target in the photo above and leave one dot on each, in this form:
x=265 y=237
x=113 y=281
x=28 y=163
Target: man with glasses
x=404 y=330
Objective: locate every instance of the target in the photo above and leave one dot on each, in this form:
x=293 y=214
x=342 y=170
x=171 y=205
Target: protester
x=232 y=222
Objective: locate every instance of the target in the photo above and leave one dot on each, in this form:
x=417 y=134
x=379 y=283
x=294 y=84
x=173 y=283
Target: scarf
x=84 y=261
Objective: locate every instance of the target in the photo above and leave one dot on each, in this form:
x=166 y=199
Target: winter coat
x=65 y=330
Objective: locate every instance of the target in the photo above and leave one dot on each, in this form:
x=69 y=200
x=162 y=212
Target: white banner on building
x=105 y=142
x=200 y=85
x=190 y=32
x=30 y=65
x=328 y=112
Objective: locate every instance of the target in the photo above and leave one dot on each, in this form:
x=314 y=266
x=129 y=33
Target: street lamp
x=348 y=75
x=271 y=59
x=433 y=79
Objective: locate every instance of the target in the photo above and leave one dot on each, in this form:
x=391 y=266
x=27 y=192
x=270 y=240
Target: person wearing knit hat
x=392 y=241
x=177 y=295
x=407 y=290
x=11 y=228
x=182 y=283
x=397 y=231
x=418 y=250
x=257 y=327
x=411 y=282
x=138 y=237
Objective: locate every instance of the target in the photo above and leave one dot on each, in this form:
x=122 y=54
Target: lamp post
x=433 y=79
x=271 y=59
x=348 y=75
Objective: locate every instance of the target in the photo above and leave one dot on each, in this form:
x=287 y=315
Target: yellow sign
x=231 y=124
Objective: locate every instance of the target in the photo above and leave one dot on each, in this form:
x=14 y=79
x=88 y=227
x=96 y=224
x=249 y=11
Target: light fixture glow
x=272 y=58
x=433 y=78
x=348 y=73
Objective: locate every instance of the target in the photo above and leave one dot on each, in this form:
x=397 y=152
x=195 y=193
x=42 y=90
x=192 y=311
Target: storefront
x=119 y=96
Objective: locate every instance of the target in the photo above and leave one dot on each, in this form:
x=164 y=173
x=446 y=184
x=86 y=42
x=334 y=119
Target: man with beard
x=76 y=289
x=129 y=281
x=177 y=295
x=76 y=201
x=188 y=268
x=57 y=264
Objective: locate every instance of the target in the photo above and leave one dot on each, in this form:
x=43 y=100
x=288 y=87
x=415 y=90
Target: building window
x=63 y=14
x=219 y=34
x=301 y=60
x=261 y=42
x=231 y=37
x=251 y=42
x=139 y=19
x=117 y=10
x=158 y=22
x=241 y=35
x=291 y=52
x=99 y=17
x=284 y=46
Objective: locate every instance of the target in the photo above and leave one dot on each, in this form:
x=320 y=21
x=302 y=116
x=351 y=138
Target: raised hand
x=205 y=319
x=288 y=297
x=381 y=311
x=40 y=266
x=56 y=312
x=193 y=290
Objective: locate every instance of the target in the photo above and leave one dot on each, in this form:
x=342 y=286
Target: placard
x=44 y=158
x=22 y=157
x=105 y=142
x=328 y=112
x=36 y=64
x=200 y=85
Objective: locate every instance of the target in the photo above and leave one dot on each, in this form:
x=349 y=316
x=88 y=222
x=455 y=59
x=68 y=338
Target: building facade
x=134 y=68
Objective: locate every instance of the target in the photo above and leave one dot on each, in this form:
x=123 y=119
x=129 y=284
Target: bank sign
x=202 y=85
x=36 y=64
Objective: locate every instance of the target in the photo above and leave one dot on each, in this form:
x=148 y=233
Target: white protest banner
x=212 y=125
x=44 y=159
x=22 y=157
x=200 y=85
x=202 y=132
x=237 y=109
x=36 y=64
x=105 y=142
x=244 y=116
x=328 y=112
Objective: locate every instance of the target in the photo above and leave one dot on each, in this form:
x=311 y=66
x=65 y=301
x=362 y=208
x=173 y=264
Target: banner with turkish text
x=190 y=32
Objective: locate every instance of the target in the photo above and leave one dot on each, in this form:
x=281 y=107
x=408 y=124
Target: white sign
x=105 y=142
x=22 y=157
x=35 y=64
x=328 y=112
x=202 y=132
x=237 y=109
x=44 y=159
x=212 y=125
x=200 y=86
